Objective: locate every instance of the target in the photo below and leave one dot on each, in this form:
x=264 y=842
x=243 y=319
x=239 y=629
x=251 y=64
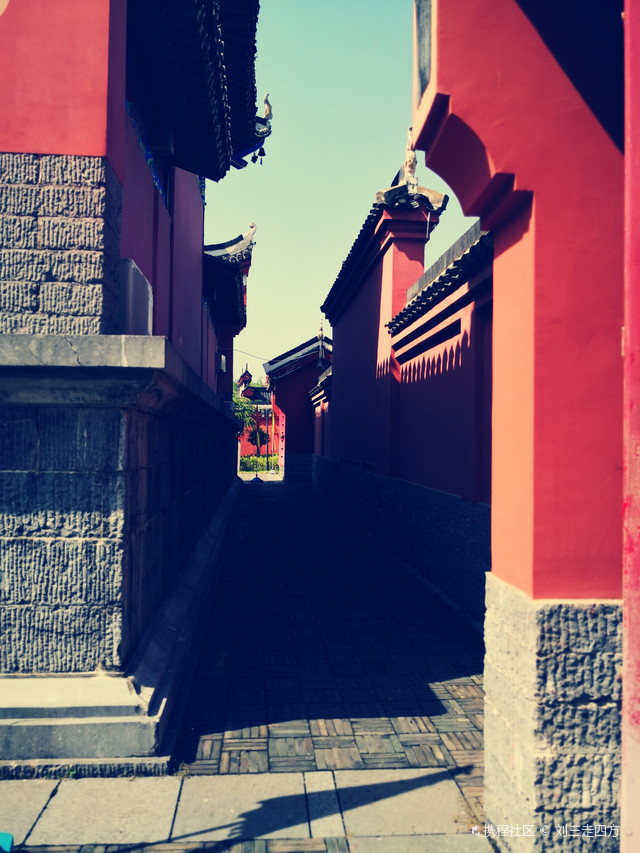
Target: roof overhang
x=191 y=74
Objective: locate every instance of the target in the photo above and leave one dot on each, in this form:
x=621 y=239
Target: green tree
x=243 y=409
x=256 y=436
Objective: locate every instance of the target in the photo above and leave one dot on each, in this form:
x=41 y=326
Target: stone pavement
x=336 y=705
x=361 y=811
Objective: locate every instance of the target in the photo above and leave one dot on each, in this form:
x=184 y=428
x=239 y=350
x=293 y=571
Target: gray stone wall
x=101 y=505
x=177 y=470
x=552 y=716
x=61 y=526
x=440 y=536
x=59 y=245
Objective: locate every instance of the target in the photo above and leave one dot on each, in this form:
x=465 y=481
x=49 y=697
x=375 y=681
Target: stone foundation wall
x=59 y=245
x=442 y=537
x=61 y=528
x=552 y=716
x=108 y=477
x=177 y=470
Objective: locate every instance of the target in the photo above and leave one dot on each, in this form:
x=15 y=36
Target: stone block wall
x=59 y=245
x=177 y=472
x=552 y=715
x=440 y=536
x=61 y=526
x=101 y=505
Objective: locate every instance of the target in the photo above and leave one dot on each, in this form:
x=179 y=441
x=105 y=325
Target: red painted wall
x=442 y=429
x=630 y=788
x=557 y=466
x=355 y=429
x=162 y=273
x=273 y=426
x=56 y=76
x=292 y=397
x=321 y=430
x=188 y=224
x=364 y=399
x=137 y=238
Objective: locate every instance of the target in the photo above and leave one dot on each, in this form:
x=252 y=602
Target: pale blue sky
x=339 y=77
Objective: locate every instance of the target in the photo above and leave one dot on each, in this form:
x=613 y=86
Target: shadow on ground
x=322 y=652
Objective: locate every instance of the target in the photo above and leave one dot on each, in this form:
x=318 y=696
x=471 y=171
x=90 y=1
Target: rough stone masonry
x=59 y=245
x=552 y=716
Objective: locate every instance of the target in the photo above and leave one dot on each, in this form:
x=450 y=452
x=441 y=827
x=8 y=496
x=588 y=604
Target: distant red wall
x=292 y=396
x=270 y=424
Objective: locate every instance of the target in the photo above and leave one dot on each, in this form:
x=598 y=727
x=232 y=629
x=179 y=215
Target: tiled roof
x=191 y=72
x=287 y=361
x=467 y=256
x=223 y=292
x=238 y=249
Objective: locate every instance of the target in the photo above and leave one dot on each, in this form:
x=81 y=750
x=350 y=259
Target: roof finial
x=321 y=333
x=268 y=111
x=410 y=162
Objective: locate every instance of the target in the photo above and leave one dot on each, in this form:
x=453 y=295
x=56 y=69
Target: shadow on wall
x=435 y=365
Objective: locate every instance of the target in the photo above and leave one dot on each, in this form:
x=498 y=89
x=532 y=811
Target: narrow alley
x=323 y=652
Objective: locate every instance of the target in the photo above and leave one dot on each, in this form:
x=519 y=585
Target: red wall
x=188 y=224
x=364 y=399
x=137 y=238
x=630 y=789
x=557 y=467
x=270 y=423
x=355 y=431
x=442 y=432
x=321 y=430
x=60 y=74
x=292 y=397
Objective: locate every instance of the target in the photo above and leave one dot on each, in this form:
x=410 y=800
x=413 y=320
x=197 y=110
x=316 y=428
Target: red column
x=631 y=555
x=402 y=235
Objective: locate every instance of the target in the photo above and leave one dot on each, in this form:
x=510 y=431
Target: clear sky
x=339 y=78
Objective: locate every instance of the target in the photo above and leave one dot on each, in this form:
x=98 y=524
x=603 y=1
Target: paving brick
x=414 y=700
x=372 y=725
x=209 y=749
x=247 y=744
x=335 y=742
x=339 y=758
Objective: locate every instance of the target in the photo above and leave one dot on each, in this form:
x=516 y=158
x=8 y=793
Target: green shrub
x=248 y=463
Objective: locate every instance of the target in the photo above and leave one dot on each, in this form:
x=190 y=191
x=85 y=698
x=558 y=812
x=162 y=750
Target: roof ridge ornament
x=405 y=191
x=268 y=110
x=408 y=174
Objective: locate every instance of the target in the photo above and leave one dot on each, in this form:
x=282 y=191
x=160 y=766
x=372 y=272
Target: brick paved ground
x=323 y=652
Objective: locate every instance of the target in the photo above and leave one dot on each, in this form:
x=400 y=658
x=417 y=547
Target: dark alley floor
x=322 y=652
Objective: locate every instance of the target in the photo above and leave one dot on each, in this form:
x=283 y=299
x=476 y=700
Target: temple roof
x=288 y=362
x=224 y=266
x=466 y=257
x=238 y=249
x=191 y=73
